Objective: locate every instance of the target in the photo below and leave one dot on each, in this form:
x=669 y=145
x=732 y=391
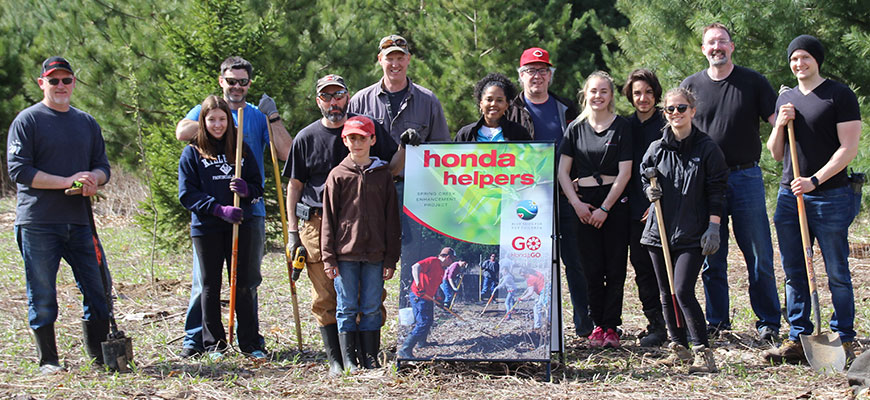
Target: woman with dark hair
x=206 y=187
x=691 y=181
x=493 y=93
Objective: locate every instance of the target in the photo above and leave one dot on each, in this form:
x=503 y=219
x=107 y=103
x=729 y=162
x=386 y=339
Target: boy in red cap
x=360 y=241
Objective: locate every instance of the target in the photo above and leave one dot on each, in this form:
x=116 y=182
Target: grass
x=151 y=309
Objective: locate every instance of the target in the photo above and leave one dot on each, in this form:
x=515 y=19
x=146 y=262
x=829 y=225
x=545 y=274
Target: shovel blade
x=117 y=353
x=824 y=352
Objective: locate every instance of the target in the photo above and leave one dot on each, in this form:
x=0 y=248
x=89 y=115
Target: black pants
x=603 y=257
x=687 y=265
x=645 y=275
x=214 y=250
x=574 y=275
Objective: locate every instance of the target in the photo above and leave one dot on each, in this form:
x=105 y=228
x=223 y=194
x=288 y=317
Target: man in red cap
x=427 y=275
x=51 y=146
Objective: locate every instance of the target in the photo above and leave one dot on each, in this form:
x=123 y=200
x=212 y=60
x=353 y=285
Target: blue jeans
x=424 y=314
x=569 y=252
x=448 y=292
x=542 y=306
x=509 y=300
x=193 y=320
x=358 y=289
x=829 y=214
x=746 y=205
x=42 y=246
x=487 y=286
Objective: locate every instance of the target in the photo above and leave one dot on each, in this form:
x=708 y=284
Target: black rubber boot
x=657 y=333
x=347 y=340
x=370 y=346
x=329 y=334
x=407 y=349
x=46 y=350
x=94 y=333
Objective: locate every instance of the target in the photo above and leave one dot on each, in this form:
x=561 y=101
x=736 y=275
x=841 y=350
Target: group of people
x=693 y=151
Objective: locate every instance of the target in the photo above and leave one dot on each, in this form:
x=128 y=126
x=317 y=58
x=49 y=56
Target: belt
x=398 y=179
x=748 y=165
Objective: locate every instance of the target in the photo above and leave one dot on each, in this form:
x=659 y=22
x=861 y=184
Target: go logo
x=533 y=243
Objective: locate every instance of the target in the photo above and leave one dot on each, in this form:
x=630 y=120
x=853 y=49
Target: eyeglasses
x=537 y=71
x=681 y=108
x=721 y=42
x=390 y=42
x=234 y=81
x=338 y=95
x=55 y=81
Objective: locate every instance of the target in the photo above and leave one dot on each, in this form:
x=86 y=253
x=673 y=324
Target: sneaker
x=596 y=339
x=50 y=369
x=216 y=356
x=704 y=361
x=768 y=334
x=187 y=352
x=259 y=354
x=679 y=355
x=790 y=351
x=611 y=339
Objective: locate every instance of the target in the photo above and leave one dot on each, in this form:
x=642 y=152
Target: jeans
x=687 y=265
x=509 y=301
x=42 y=246
x=193 y=320
x=542 y=306
x=487 y=287
x=829 y=214
x=747 y=207
x=569 y=252
x=448 y=292
x=358 y=289
x=424 y=315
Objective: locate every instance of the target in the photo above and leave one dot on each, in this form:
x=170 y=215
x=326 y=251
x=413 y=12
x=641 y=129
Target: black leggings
x=213 y=250
x=687 y=265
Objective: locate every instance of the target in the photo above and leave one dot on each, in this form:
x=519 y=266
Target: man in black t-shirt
x=731 y=102
x=316 y=150
x=827 y=127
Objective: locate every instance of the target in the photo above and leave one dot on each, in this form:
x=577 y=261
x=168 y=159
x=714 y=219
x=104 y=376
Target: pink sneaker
x=596 y=339
x=611 y=339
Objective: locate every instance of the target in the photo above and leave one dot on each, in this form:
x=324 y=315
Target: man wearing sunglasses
x=235 y=80
x=316 y=150
x=51 y=146
x=731 y=102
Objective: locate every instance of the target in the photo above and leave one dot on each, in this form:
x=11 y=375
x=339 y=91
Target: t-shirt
x=487 y=134
x=597 y=152
x=536 y=281
x=642 y=134
x=431 y=272
x=256 y=136
x=395 y=101
x=815 y=129
x=545 y=117
x=57 y=143
x=450 y=272
x=729 y=111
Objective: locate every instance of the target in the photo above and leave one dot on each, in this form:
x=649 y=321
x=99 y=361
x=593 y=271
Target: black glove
x=710 y=239
x=653 y=193
x=293 y=242
x=410 y=136
x=267 y=105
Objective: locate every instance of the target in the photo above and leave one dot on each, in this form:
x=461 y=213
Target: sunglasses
x=240 y=82
x=389 y=42
x=338 y=95
x=681 y=108
x=55 y=81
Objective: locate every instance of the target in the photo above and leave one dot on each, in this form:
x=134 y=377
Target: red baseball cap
x=358 y=125
x=535 y=54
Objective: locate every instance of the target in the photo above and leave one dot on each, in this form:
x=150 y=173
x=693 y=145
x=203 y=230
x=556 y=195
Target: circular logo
x=534 y=243
x=538 y=53
x=527 y=209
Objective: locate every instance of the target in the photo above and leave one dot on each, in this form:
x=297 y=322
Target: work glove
x=239 y=186
x=267 y=105
x=653 y=193
x=293 y=241
x=229 y=214
x=410 y=136
x=710 y=239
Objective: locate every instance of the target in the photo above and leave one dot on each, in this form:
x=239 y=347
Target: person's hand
x=583 y=211
x=410 y=136
x=229 y=214
x=597 y=218
x=653 y=193
x=240 y=187
x=710 y=239
x=802 y=185
x=785 y=114
x=87 y=180
x=388 y=272
x=331 y=272
x=267 y=106
x=293 y=242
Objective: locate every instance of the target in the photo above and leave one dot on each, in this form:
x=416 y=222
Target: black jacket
x=518 y=113
x=693 y=177
x=511 y=131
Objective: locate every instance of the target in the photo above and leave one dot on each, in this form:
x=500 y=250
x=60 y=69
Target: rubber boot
x=407 y=349
x=704 y=361
x=347 y=341
x=370 y=346
x=657 y=334
x=329 y=334
x=94 y=333
x=46 y=350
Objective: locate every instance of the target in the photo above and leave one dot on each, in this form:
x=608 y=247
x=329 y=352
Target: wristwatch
x=274 y=120
x=815 y=181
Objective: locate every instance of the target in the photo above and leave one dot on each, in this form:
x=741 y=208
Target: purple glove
x=238 y=185
x=229 y=214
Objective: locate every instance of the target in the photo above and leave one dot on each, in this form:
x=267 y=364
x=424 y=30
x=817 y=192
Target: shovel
x=650 y=173
x=824 y=351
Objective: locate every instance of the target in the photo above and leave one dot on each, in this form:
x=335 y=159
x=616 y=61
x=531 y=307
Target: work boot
x=704 y=361
x=656 y=332
x=407 y=349
x=329 y=334
x=370 y=346
x=46 y=350
x=347 y=342
x=679 y=355
x=94 y=333
x=791 y=351
x=849 y=348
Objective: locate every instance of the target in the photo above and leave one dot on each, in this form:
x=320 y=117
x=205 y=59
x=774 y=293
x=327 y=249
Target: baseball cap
x=391 y=43
x=54 y=63
x=358 y=125
x=535 y=54
x=330 y=80
x=447 y=251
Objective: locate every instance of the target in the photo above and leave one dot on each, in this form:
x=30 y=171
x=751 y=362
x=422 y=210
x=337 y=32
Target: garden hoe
x=824 y=352
x=487 y=303
x=650 y=173
x=234 y=267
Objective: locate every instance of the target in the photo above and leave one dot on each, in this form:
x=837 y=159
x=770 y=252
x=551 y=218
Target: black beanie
x=811 y=45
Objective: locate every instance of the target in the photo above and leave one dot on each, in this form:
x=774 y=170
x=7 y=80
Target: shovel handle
x=666 y=251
